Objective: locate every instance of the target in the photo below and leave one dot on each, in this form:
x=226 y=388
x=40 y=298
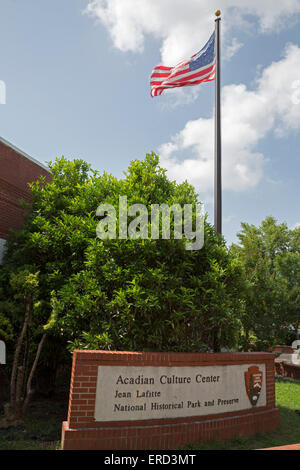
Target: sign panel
x=148 y=392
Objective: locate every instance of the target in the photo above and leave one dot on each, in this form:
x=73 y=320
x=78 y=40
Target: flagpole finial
x=218 y=13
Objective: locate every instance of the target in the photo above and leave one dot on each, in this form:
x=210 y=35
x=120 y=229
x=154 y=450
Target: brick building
x=17 y=169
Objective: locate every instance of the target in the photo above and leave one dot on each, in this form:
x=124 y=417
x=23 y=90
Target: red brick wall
x=16 y=171
x=80 y=431
x=287 y=369
x=279 y=349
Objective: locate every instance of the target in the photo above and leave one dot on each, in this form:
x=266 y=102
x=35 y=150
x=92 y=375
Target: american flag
x=199 y=68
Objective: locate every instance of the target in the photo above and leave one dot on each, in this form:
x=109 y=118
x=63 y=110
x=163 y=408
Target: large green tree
x=121 y=293
x=270 y=254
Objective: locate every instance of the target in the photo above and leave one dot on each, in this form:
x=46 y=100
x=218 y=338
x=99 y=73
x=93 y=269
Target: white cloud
x=183 y=26
x=175 y=97
x=229 y=218
x=247 y=117
x=232 y=48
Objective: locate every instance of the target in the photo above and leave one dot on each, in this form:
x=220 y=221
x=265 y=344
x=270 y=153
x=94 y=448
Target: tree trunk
x=29 y=391
x=13 y=385
x=19 y=392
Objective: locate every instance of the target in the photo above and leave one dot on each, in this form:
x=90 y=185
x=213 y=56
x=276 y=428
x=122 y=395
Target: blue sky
x=77 y=84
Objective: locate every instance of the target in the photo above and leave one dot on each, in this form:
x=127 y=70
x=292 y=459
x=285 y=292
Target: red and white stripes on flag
x=199 y=68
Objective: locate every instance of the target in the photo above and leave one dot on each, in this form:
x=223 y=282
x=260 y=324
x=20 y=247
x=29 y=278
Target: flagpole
x=218 y=149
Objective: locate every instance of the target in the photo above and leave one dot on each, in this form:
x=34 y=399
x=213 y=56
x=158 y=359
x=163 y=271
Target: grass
x=41 y=429
x=287 y=400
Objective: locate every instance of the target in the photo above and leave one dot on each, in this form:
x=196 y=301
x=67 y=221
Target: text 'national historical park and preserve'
x=149 y=392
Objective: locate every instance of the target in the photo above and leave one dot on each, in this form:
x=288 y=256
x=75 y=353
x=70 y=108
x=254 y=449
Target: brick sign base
x=94 y=405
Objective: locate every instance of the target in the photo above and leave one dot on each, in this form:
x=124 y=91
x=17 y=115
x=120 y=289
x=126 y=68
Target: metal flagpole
x=218 y=150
